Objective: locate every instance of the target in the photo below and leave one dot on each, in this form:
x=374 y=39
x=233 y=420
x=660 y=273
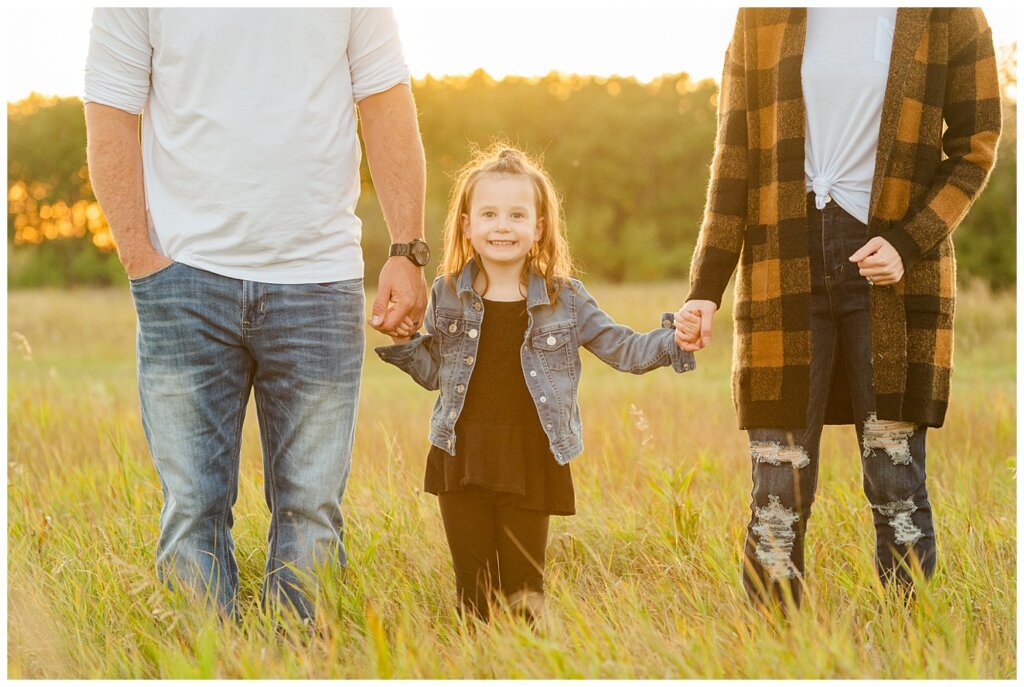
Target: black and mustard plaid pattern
x=942 y=71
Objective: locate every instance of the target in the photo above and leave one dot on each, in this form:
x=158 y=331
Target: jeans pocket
x=854 y=236
x=153 y=276
x=344 y=286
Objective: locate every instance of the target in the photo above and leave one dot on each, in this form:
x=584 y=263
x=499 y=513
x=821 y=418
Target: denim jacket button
x=543 y=399
x=549 y=425
x=472 y=333
x=460 y=388
x=452 y=415
x=533 y=373
x=551 y=341
x=469 y=360
x=453 y=327
x=476 y=305
x=686 y=366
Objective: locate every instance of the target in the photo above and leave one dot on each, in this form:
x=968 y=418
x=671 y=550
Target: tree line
x=630 y=159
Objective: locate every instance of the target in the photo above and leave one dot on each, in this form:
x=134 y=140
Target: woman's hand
x=879 y=262
x=705 y=310
x=687 y=328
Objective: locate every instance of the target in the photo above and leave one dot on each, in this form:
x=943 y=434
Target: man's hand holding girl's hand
x=404 y=331
x=401 y=297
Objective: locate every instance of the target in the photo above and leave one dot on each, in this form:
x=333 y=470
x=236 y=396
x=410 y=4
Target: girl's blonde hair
x=549 y=257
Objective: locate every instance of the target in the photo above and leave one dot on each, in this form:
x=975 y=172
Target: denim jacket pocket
x=450 y=328
x=553 y=347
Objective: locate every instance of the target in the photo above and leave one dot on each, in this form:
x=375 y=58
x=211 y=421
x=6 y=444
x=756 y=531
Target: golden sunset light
x=47 y=46
x=512 y=342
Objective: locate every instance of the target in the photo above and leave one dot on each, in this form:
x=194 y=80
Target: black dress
x=500 y=444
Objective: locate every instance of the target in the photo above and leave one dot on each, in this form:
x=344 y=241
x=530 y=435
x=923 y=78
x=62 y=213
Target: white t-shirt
x=249 y=144
x=845 y=70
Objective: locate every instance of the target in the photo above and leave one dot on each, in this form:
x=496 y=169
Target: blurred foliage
x=56 y=232
x=630 y=159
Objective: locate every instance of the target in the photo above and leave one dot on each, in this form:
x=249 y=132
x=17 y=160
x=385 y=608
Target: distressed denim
x=444 y=358
x=784 y=461
x=204 y=343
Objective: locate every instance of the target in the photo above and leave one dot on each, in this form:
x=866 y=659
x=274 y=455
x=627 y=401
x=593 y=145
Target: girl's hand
x=687 y=327
x=706 y=311
x=404 y=331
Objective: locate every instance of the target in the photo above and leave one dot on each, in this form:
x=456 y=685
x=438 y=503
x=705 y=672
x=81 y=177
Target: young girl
x=503 y=327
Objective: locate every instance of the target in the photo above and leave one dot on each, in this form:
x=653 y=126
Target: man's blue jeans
x=784 y=461
x=204 y=342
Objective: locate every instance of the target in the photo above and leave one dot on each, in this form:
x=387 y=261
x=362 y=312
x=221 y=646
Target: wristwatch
x=416 y=250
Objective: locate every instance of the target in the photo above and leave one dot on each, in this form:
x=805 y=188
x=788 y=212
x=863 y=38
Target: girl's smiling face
x=502 y=223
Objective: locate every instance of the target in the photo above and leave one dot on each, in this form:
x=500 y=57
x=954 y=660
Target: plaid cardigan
x=942 y=70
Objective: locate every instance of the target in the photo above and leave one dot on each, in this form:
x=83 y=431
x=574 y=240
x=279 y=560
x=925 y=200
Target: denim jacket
x=444 y=357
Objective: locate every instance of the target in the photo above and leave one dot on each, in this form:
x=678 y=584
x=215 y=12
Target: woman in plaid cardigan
x=839 y=320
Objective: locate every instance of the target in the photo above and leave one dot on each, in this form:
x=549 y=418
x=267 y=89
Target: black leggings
x=495 y=546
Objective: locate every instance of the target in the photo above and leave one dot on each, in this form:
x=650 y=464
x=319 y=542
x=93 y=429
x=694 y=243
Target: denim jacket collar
x=536 y=290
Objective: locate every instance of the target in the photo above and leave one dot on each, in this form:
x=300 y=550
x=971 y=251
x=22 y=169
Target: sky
x=46 y=46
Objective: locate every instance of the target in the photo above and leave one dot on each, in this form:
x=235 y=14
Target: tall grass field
x=644 y=582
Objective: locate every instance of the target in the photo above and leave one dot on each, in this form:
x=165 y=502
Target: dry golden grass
x=643 y=583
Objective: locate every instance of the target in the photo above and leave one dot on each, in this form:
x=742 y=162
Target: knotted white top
x=844 y=73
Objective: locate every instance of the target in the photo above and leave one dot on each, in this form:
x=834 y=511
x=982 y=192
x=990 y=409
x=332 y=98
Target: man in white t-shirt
x=235 y=221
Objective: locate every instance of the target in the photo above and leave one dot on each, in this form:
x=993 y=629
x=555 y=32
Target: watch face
x=420 y=253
